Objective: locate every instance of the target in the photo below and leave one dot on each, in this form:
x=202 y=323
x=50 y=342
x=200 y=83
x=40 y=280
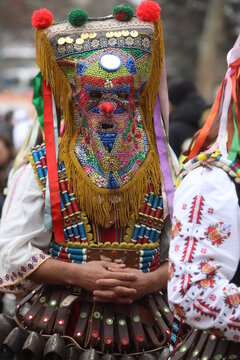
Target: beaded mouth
x=106 y=127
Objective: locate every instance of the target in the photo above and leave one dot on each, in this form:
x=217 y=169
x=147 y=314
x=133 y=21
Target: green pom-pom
x=123 y=12
x=77 y=17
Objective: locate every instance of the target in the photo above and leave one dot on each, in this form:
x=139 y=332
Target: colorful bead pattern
x=110 y=147
x=150 y=223
x=80 y=235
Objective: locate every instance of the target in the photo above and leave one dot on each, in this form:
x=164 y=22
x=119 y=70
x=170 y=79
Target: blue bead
x=75 y=231
x=135 y=232
x=35 y=156
x=66 y=234
x=142 y=230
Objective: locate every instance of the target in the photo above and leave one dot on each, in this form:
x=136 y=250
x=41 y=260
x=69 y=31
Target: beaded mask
x=111 y=143
x=106 y=83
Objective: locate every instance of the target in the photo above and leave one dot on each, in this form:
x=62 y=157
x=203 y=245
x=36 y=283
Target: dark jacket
x=184 y=121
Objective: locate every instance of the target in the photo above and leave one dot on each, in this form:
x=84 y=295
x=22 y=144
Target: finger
x=124 y=276
x=114 y=292
x=105 y=264
x=112 y=283
x=118 y=264
x=113 y=268
x=118 y=300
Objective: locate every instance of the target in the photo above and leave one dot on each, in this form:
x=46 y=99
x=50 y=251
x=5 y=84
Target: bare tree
x=210 y=59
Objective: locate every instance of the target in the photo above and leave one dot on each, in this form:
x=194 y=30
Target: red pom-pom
x=42 y=18
x=148 y=11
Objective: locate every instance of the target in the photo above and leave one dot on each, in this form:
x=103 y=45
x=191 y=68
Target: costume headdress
x=104 y=76
x=222 y=127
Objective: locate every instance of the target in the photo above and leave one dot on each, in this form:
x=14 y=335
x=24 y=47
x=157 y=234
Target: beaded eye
x=123 y=95
x=96 y=94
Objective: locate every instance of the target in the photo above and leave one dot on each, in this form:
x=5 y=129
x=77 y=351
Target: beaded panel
x=111 y=146
x=142 y=235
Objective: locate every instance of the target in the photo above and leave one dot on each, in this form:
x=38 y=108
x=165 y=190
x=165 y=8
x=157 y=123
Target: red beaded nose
x=107 y=108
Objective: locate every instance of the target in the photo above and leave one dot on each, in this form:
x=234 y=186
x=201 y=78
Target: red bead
x=124 y=341
x=140 y=338
x=45 y=319
x=78 y=334
x=61 y=322
x=95 y=334
x=108 y=340
x=29 y=316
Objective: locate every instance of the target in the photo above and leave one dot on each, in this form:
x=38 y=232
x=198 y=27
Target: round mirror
x=110 y=62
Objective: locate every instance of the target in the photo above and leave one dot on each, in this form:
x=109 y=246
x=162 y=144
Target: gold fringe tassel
x=98 y=202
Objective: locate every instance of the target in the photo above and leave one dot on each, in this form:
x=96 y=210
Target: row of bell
x=24 y=346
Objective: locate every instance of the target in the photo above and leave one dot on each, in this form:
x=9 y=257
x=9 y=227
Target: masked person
x=103 y=250
x=204 y=277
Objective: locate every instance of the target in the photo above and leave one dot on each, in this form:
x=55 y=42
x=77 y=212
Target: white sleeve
x=205 y=252
x=23 y=241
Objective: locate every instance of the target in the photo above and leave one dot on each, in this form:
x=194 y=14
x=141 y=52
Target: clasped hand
x=112 y=282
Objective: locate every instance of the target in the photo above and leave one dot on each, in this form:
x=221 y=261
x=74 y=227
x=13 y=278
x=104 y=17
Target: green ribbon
x=38 y=98
x=235 y=147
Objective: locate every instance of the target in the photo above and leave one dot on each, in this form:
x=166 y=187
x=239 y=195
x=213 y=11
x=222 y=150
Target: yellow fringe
x=95 y=201
x=54 y=76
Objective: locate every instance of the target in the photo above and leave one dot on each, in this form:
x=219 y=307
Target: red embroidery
x=235 y=323
x=185 y=284
x=199 y=206
x=206 y=309
x=189 y=249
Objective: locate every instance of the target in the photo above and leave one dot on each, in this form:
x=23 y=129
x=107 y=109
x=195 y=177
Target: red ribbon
x=52 y=164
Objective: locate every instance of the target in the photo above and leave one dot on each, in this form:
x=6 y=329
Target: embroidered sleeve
x=204 y=253
x=23 y=241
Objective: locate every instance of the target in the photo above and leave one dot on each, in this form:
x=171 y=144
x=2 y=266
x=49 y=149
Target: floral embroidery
x=206 y=283
x=232 y=297
x=171 y=271
x=177 y=227
x=209 y=267
x=218 y=233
